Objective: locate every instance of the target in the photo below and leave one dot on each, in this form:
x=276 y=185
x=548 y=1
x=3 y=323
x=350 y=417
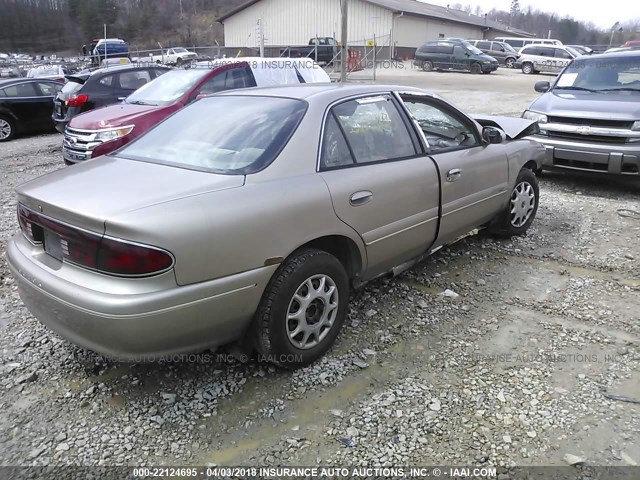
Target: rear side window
x=484 y=45
x=515 y=43
x=20 y=90
x=135 y=79
x=49 y=89
x=107 y=81
x=547 y=51
x=373 y=129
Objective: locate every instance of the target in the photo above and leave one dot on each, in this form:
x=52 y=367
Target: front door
x=474 y=175
x=380 y=182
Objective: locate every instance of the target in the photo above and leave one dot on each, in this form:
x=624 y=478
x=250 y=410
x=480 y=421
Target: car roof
x=329 y=92
x=128 y=66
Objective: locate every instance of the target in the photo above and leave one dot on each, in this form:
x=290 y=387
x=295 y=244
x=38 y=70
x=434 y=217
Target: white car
x=176 y=55
x=537 y=58
x=52 y=72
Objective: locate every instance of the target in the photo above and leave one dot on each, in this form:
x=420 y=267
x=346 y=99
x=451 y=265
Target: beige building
x=401 y=24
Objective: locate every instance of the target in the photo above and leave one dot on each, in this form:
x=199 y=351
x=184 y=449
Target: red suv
x=104 y=130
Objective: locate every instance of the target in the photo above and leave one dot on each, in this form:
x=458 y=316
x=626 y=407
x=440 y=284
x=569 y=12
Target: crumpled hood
x=117 y=115
x=513 y=127
x=624 y=106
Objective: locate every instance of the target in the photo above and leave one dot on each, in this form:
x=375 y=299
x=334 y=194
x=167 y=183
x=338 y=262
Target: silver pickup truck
x=252 y=226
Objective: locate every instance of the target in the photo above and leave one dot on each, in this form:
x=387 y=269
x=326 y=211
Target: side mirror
x=492 y=135
x=542 y=87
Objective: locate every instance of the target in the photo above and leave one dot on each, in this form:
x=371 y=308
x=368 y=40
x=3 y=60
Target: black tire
x=158 y=62
x=510 y=62
x=475 y=68
x=427 y=66
x=272 y=325
x=179 y=62
x=506 y=224
x=7 y=129
x=527 y=68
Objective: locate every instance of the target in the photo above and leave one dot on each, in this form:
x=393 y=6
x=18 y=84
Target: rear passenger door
x=381 y=183
x=474 y=175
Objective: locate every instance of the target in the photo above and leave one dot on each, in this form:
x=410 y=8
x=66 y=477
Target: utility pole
x=261 y=37
x=343 y=46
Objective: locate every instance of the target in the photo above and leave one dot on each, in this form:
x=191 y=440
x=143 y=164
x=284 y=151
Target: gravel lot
x=517 y=370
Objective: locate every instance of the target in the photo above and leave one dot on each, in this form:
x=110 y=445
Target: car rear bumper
x=130 y=325
x=598 y=157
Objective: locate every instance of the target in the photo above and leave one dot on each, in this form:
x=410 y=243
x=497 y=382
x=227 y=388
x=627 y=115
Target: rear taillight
x=96 y=252
x=77 y=100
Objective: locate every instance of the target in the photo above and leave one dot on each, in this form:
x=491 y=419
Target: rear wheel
x=510 y=62
x=476 y=68
x=522 y=208
x=427 y=66
x=7 y=129
x=527 y=68
x=302 y=309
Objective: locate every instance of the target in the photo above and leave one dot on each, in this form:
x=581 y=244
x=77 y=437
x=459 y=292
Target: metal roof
x=414 y=7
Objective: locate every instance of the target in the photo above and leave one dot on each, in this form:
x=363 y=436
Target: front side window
x=562 y=54
x=443 y=128
x=232 y=135
x=373 y=129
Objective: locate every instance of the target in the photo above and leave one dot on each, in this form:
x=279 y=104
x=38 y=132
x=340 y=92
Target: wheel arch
x=350 y=255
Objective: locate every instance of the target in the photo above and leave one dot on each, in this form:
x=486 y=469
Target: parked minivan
x=501 y=51
x=453 y=54
x=545 y=58
x=517 y=42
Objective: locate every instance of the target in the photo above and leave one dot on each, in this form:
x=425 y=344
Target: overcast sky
x=602 y=13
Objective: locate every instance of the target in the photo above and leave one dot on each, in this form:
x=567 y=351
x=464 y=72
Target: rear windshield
x=167 y=88
x=233 y=135
x=71 y=87
x=43 y=72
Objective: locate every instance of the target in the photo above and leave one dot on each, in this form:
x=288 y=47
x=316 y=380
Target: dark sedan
x=26 y=105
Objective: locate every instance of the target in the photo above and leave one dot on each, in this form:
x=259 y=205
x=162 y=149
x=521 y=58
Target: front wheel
x=302 y=309
x=510 y=62
x=518 y=216
x=427 y=66
x=476 y=68
x=179 y=62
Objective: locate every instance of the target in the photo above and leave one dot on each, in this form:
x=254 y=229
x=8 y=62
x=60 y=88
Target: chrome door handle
x=454 y=174
x=360 y=198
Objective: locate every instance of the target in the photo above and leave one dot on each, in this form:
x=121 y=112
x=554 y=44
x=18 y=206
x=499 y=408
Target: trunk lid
x=88 y=194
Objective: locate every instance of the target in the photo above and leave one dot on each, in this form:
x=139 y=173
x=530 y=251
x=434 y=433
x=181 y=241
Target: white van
x=518 y=42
